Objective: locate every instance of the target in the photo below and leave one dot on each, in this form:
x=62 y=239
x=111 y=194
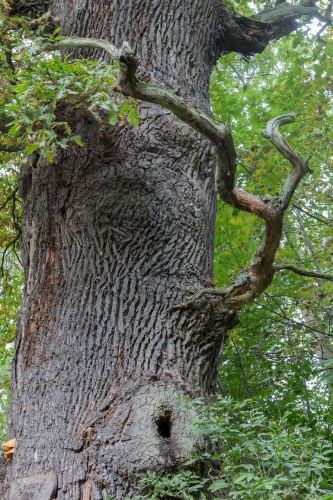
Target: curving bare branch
x=250 y=283
x=285 y=11
x=299 y=164
x=303 y=272
x=260 y=274
x=81 y=43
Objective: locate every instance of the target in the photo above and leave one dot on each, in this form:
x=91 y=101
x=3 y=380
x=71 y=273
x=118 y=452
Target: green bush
x=259 y=459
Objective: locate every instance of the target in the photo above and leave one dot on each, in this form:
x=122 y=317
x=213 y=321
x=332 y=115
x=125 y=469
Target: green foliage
x=270 y=457
x=249 y=8
x=266 y=458
x=280 y=361
x=183 y=486
x=280 y=354
x=34 y=83
x=283 y=342
x=11 y=277
x=260 y=458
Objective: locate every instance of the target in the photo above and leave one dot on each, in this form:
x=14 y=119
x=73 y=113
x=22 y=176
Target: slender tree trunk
x=116 y=234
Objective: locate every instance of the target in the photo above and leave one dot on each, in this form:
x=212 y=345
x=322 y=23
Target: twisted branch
x=250 y=283
x=299 y=164
x=303 y=272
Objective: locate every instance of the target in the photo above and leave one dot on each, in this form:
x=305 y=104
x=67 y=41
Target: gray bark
x=115 y=234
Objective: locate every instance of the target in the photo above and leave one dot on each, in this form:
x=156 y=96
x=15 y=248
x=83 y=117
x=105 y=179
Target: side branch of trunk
x=250 y=283
x=303 y=272
x=250 y=35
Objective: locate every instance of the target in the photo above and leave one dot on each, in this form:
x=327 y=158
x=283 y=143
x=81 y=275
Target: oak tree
x=120 y=319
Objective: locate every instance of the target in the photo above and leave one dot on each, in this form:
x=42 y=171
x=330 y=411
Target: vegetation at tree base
x=273 y=417
x=262 y=457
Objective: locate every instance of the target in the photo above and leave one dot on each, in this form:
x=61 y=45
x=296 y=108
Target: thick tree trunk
x=115 y=234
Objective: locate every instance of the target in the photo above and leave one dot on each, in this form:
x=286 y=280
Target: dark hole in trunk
x=164 y=425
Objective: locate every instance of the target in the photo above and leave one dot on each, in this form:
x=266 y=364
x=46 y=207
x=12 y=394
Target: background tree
x=119 y=233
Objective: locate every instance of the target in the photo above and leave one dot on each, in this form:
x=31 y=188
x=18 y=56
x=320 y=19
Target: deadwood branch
x=251 y=282
x=303 y=272
x=251 y=35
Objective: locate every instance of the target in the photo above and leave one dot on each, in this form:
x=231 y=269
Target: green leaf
x=113 y=117
x=133 y=117
x=218 y=485
x=77 y=139
x=31 y=148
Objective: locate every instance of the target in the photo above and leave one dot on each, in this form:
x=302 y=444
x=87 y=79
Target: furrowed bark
x=234 y=32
